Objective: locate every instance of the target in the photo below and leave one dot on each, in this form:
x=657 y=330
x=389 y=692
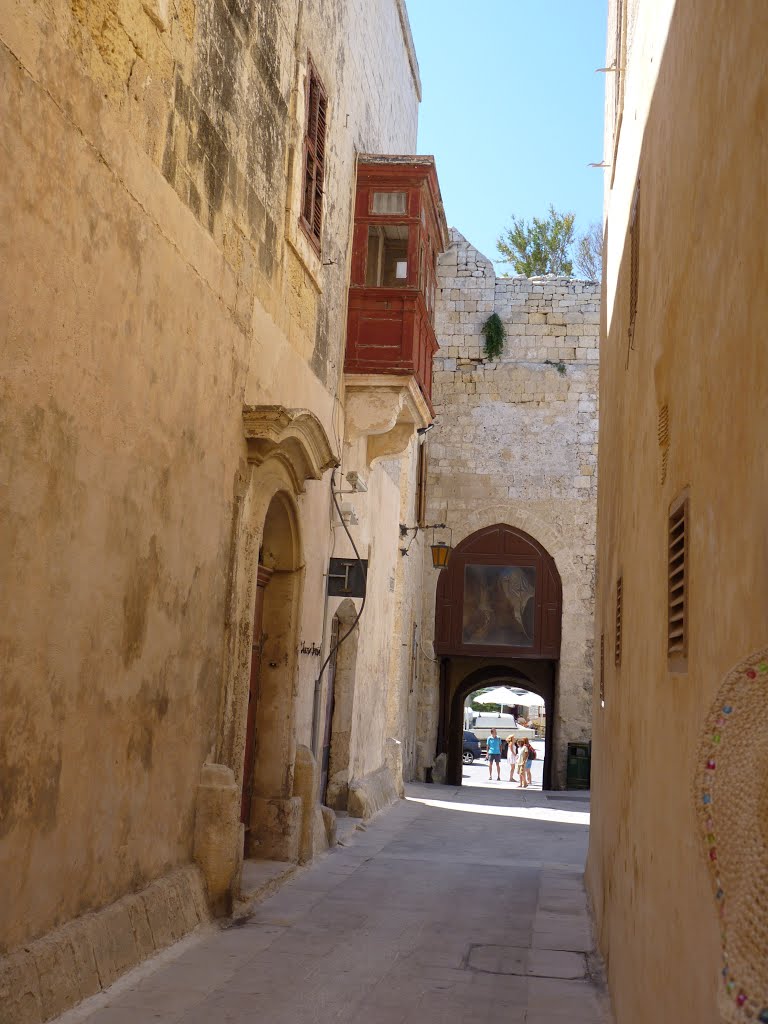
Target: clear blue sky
x=512 y=108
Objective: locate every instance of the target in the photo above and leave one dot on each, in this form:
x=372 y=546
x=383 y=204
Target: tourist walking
x=494 y=754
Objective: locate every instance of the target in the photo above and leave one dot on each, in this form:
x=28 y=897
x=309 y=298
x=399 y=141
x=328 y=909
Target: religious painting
x=499 y=605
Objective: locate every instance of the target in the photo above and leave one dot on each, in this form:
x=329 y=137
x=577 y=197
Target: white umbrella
x=501 y=695
x=529 y=700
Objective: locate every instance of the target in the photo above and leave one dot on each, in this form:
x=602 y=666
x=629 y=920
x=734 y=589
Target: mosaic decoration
x=731 y=794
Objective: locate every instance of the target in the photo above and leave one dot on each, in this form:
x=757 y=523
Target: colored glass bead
x=716 y=737
x=706 y=798
x=741 y=999
x=711 y=764
x=713 y=854
x=763 y=666
x=721 y=721
x=751 y=674
x=763 y=1018
x=730 y=986
x=727 y=709
x=710 y=837
x=719 y=894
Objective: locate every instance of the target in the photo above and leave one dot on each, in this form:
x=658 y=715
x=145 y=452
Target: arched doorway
x=269 y=749
x=339 y=707
x=498 y=616
x=537 y=677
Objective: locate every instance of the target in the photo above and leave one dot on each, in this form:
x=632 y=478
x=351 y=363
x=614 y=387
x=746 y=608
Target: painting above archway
x=500 y=595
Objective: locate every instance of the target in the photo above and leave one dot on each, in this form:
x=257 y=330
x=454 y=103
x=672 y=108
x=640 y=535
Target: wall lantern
x=440 y=549
x=440 y=553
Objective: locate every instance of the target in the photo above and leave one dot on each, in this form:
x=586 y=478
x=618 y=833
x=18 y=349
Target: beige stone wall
x=692 y=129
x=154 y=281
x=515 y=442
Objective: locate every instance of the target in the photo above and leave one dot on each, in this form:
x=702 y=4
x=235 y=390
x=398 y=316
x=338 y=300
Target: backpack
x=532 y=753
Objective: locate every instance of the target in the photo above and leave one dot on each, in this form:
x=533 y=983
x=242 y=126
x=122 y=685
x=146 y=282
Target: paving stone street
x=455 y=904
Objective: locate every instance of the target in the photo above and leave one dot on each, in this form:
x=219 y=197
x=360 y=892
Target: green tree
x=541 y=247
x=589 y=253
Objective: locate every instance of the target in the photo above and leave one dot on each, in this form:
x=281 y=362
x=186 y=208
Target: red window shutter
x=314 y=158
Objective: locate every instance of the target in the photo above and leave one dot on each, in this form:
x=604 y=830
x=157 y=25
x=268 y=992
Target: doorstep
x=260 y=879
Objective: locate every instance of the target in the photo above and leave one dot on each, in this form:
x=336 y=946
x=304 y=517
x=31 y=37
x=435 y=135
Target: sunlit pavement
x=456 y=904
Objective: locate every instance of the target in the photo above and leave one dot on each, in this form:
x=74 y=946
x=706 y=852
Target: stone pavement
x=455 y=904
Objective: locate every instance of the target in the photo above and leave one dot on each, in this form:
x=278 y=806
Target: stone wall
x=155 y=282
x=516 y=442
x=683 y=415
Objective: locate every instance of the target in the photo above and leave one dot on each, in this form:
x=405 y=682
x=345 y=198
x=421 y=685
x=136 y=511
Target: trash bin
x=578 y=767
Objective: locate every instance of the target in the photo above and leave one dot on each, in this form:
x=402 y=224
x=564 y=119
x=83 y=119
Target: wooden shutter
x=677 y=583
x=634 y=263
x=619 y=603
x=314 y=158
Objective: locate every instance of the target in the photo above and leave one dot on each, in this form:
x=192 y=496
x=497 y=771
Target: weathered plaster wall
x=154 y=281
x=516 y=442
x=694 y=88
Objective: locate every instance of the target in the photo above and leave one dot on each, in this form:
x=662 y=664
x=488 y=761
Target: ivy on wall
x=495 y=333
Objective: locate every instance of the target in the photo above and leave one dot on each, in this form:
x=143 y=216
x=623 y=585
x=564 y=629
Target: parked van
x=504 y=726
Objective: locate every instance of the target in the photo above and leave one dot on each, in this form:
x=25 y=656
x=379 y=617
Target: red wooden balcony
x=389 y=331
x=399 y=231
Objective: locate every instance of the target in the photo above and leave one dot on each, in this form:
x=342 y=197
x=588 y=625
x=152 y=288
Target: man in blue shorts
x=494 y=754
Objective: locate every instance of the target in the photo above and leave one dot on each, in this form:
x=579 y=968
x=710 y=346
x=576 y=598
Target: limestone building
x=511 y=472
x=182 y=450
x=679 y=847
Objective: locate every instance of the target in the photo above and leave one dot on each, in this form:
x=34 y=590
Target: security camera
x=356 y=482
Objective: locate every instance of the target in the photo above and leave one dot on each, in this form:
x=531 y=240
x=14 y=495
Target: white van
x=503 y=724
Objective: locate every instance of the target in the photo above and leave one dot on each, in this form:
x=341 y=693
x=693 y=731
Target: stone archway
x=283 y=449
x=538 y=677
x=273 y=810
x=498 y=613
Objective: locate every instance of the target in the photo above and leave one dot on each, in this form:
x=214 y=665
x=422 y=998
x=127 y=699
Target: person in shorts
x=494 y=754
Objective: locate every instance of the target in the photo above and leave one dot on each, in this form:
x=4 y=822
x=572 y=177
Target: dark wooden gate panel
x=499 y=545
x=329 y=703
x=262 y=579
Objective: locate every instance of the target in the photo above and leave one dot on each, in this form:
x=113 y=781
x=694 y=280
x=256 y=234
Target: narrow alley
x=457 y=903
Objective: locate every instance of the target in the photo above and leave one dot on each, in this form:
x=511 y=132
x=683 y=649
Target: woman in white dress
x=511 y=756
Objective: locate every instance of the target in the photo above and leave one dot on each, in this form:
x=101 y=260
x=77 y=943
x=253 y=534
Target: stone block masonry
x=516 y=442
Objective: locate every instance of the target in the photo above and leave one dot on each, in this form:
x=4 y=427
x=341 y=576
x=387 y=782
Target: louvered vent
x=617 y=647
x=677 y=601
x=663 y=436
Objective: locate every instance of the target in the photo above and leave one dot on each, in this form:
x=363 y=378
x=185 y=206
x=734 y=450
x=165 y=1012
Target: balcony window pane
x=389 y=202
x=387 y=264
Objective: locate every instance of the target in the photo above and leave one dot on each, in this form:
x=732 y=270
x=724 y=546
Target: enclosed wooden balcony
x=399 y=231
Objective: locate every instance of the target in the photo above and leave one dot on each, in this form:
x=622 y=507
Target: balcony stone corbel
x=383 y=411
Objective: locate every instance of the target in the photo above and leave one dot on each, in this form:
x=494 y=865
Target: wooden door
x=262 y=579
x=326 y=753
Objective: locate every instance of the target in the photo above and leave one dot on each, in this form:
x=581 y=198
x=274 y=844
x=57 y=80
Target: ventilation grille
x=677 y=601
x=617 y=648
x=663 y=436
